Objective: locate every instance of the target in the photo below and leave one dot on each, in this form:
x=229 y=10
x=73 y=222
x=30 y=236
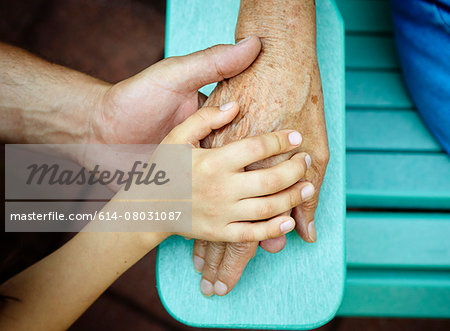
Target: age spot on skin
x=314 y=99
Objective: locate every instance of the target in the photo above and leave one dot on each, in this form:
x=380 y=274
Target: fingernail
x=287 y=226
x=243 y=40
x=307 y=192
x=198 y=263
x=312 y=231
x=220 y=288
x=226 y=106
x=206 y=287
x=308 y=161
x=295 y=138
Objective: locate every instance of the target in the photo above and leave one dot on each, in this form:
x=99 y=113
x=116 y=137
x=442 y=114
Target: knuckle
x=269 y=233
x=274 y=143
x=203 y=115
x=211 y=53
x=278 y=142
x=210 y=210
x=322 y=158
x=297 y=167
x=212 y=265
x=271 y=182
x=264 y=211
x=227 y=269
x=207 y=166
x=311 y=204
x=257 y=146
x=247 y=236
x=241 y=250
x=293 y=198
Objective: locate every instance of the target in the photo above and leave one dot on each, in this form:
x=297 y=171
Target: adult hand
x=44 y=103
x=281 y=89
x=263 y=87
x=145 y=107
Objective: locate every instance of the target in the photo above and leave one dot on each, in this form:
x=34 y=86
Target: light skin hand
x=41 y=102
x=145 y=107
x=269 y=102
x=45 y=103
x=223 y=208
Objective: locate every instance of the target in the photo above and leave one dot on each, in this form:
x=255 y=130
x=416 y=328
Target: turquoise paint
x=302 y=286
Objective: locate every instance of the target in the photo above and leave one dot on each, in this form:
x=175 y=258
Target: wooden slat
x=392 y=130
x=366 y=16
x=398 y=240
x=374 y=52
x=370 y=89
x=396 y=293
x=398 y=180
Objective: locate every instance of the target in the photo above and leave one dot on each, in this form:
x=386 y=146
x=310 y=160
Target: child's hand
x=225 y=197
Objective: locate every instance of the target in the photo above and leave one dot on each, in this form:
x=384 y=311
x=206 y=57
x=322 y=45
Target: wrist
x=74 y=120
x=149 y=240
x=76 y=115
x=76 y=111
x=291 y=38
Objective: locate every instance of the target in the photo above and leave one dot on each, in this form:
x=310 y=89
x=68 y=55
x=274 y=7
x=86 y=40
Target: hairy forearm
x=41 y=102
x=54 y=292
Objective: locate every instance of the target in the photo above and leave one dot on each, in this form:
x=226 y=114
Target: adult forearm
x=281 y=89
x=41 y=102
x=287 y=28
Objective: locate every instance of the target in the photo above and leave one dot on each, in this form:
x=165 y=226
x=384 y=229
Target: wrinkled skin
x=271 y=97
x=280 y=90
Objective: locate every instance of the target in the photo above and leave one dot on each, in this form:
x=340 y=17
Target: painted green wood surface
x=370 y=52
x=365 y=16
x=398 y=240
x=398 y=263
x=396 y=293
x=407 y=180
x=381 y=119
x=388 y=130
x=376 y=89
x=302 y=286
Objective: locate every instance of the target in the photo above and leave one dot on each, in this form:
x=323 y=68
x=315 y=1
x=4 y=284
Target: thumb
x=191 y=72
x=200 y=124
x=273 y=245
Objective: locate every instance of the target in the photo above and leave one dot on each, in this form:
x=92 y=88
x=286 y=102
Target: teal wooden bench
x=301 y=287
x=399 y=260
x=398 y=193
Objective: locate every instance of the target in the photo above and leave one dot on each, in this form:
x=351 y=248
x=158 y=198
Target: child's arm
x=54 y=292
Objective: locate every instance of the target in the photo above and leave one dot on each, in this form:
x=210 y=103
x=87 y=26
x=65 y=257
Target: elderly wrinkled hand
x=280 y=89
